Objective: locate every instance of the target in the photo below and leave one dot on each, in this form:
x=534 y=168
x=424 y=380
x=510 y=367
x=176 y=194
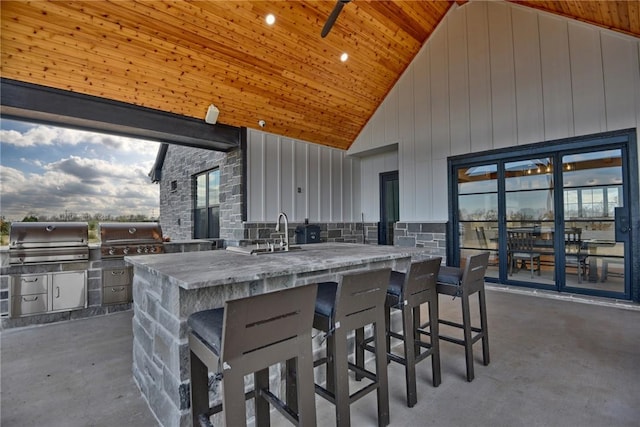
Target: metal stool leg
x=233 y=399
x=466 y=326
x=341 y=378
x=306 y=388
x=359 y=351
x=408 y=328
x=381 y=372
x=261 y=381
x=435 y=341
x=199 y=388
x=483 y=325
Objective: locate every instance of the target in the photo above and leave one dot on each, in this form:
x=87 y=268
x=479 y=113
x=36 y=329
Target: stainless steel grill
x=37 y=242
x=119 y=239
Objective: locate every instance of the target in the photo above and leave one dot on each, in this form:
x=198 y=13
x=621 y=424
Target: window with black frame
x=206 y=218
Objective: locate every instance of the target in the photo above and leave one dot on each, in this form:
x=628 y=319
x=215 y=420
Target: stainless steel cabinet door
x=69 y=290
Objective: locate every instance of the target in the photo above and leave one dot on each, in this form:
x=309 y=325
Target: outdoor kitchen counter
x=214 y=268
x=167 y=288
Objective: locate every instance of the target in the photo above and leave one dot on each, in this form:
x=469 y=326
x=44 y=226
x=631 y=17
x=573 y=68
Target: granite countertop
x=194 y=270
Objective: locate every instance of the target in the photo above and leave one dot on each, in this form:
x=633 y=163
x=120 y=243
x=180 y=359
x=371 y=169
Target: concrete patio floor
x=555 y=361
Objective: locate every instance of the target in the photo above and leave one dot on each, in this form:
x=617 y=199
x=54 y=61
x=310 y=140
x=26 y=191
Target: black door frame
x=625 y=139
x=382 y=225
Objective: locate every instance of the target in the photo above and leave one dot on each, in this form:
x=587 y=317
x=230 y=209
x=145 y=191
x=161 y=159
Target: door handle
x=57 y=291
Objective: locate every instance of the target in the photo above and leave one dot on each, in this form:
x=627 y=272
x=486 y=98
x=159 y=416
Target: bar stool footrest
x=280 y=406
x=203 y=417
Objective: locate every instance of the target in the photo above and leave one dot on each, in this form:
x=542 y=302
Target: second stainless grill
x=119 y=239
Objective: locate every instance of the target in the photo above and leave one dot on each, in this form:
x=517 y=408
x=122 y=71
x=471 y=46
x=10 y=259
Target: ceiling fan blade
x=333 y=16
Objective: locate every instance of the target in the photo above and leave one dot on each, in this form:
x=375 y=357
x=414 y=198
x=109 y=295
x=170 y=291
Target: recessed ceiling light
x=270 y=19
x=344 y=57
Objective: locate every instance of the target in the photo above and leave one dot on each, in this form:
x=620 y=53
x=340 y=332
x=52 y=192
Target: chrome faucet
x=286 y=229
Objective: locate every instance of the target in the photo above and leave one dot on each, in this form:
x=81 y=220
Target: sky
x=46 y=170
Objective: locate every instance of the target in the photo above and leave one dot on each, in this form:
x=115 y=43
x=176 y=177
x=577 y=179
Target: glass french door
x=558 y=218
x=596 y=215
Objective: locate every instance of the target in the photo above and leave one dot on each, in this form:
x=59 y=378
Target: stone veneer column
x=231 y=197
x=429 y=235
x=176 y=202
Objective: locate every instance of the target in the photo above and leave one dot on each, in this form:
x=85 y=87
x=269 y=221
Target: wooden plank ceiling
x=182 y=56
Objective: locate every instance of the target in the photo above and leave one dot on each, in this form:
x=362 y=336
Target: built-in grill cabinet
x=116 y=285
x=48 y=292
x=120 y=239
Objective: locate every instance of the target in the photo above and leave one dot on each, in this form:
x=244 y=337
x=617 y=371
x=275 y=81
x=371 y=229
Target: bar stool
x=246 y=337
x=463 y=283
x=352 y=303
x=407 y=292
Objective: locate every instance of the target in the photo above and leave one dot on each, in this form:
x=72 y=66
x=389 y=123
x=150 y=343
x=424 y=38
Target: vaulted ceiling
x=182 y=56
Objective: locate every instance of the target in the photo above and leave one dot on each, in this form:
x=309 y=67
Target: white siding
x=328 y=181
x=492 y=75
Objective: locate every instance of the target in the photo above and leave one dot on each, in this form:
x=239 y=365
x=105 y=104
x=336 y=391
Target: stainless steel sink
x=252 y=250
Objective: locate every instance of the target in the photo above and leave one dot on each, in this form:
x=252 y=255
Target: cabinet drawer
x=116 y=277
x=23 y=305
x=28 y=284
x=116 y=294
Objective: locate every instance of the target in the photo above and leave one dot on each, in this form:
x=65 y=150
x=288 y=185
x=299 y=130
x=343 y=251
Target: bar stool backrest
x=358 y=294
x=273 y=320
x=422 y=278
x=474 y=271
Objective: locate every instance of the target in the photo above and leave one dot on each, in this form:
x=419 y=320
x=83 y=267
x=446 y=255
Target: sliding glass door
x=554 y=217
x=593 y=199
x=478 y=213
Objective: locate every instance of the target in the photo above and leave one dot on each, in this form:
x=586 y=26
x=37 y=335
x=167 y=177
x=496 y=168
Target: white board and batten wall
x=494 y=75
x=304 y=180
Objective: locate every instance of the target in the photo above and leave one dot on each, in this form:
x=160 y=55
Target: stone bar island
x=168 y=288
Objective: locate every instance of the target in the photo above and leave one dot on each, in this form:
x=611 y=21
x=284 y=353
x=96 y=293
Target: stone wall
x=431 y=235
x=177 y=190
x=330 y=232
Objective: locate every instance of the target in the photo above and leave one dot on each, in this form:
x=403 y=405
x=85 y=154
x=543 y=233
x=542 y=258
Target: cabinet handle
x=30 y=281
x=116 y=273
x=58 y=291
x=26 y=299
x=117 y=289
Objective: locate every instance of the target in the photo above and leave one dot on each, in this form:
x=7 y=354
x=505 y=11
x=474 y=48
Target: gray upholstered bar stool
x=354 y=302
x=407 y=292
x=246 y=337
x=463 y=283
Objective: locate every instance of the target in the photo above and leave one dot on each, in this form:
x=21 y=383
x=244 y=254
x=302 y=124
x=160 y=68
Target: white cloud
x=77 y=185
x=42 y=135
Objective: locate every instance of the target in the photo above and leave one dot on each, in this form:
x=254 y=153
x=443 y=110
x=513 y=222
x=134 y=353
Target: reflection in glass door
x=529 y=211
x=555 y=216
x=478 y=213
x=593 y=205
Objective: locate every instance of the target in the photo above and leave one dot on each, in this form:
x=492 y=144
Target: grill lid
x=25 y=235
x=119 y=233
